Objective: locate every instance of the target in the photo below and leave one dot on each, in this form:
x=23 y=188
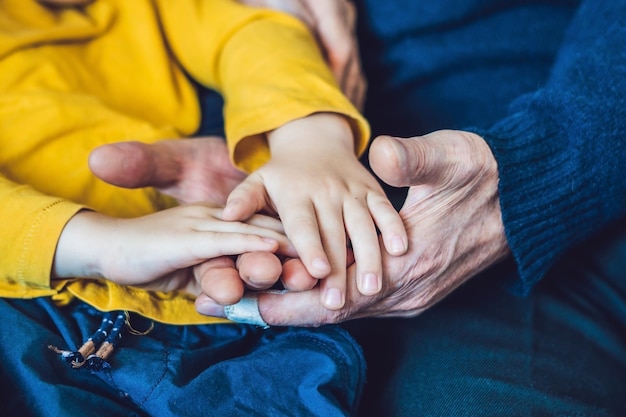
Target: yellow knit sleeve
x=266 y=64
x=31 y=225
x=45 y=141
x=52 y=114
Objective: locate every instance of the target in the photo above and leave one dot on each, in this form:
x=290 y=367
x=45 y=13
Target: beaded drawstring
x=93 y=354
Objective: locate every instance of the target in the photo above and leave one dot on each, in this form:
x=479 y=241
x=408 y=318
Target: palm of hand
x=207 y=173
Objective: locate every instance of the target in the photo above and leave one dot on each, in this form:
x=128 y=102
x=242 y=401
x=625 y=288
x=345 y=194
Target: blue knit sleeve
x=561 y=151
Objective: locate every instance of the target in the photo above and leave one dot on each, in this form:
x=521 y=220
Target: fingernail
x=399 y=152
x=208 y=307
x=369 y=284
x=320 y=265
x=333 y=298
x=226 y=210
x=398 y=246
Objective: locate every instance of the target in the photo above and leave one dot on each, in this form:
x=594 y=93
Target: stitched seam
x=342 y=364
x=328 y=348
x=21 y=266
x=158 y=381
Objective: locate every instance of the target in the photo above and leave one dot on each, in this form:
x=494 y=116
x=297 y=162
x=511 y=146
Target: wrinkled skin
x=452 y=216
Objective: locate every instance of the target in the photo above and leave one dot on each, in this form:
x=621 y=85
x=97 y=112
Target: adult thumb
x=134 y=165
x=402 y=162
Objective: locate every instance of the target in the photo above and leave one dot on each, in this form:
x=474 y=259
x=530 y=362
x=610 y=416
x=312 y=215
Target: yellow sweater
x=74 y=79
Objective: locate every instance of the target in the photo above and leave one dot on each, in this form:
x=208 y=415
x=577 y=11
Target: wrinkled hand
x=452 y=216
x=333 y=22
x=190 y=170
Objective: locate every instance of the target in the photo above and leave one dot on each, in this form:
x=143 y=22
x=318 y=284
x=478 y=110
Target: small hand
x=150 y=251
x=324 y=197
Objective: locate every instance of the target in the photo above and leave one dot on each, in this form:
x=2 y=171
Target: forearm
x=306 y=87
x=323 y=133
x=82 y=246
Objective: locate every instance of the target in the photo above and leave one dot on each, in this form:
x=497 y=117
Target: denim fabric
x=485 y=352
x=212 y=370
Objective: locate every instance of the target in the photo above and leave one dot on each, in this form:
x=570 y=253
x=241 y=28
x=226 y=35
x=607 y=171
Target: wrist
x=78 y=252
x=490 y=230
x=319 y=132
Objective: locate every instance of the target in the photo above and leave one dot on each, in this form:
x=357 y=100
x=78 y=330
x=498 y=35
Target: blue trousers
x=210 y=370
x=485 y=352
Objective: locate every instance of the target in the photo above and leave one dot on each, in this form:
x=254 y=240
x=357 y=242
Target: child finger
x=366 y=248
x=226 y=243
x=333 y=234
x=302 y=229
x=219 y=280
x=389 y=223
x=259 y=270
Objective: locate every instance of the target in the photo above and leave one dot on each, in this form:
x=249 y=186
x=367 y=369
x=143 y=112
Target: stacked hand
x=165 y=251
x=452 y=216
x=325 y=199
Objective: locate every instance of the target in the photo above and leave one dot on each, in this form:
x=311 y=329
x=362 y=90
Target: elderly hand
x=452 y=216
x=190 y=170
x=333 y=22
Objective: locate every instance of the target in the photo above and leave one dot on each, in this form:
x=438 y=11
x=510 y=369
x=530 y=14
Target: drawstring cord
x=93 y=354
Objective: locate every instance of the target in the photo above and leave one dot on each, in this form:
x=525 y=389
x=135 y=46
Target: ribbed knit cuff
x=546 y=200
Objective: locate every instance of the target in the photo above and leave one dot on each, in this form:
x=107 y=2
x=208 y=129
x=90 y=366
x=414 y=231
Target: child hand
x=324 y=197
x=143 y=251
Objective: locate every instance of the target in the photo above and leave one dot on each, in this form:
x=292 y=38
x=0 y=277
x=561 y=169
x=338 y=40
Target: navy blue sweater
x=544 y=82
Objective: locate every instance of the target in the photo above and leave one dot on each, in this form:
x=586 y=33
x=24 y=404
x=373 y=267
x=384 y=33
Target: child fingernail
x=320 y=264
x=369 y=284
x=397 y=245
x=208 y=307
